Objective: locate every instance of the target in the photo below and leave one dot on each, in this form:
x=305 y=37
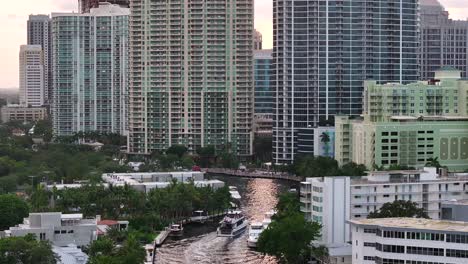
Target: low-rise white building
x=409 y=241
x=60 y=229
x=332 y=201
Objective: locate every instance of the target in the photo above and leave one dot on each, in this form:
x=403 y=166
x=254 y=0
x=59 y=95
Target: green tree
x=25 y=250
x=353 y=169
x=105 y=251
x=12 y=210
x=178 y=150
x=433 y=162
x=228 y=160
x=310 y=166
x=399 y=208
x=262 y=148
x=206 y=156
x=289 y=225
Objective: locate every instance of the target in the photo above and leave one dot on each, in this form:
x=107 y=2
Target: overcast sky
x=13 y=17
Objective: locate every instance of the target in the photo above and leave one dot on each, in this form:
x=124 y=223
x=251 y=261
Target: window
x=369 y=258
x=57 y=232
x=369 y=244
x=370 y=230
x=42 y=236
x=390 y=248
x=425 y=251
x=455 y=253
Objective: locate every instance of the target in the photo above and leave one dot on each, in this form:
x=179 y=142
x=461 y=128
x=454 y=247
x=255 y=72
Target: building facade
x=31 y=76
x=409 y=241
x=324 y=50
x=22 y=113
x=258 y=40
x=91 y=70
x=263 y=67
x=191 y=75
x=444 y=41
x=332 y=201
x=40 y=33
x=86 y=5
x=408 y=125
x=60 y=229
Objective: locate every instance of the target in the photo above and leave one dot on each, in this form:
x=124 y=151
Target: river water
x=200 y=243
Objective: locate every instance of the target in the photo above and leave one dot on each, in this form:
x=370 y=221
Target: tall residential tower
x=324 y=50
x=86 y=5
x=31 y=75
x=191 y=75
x=444 y=42
x=40 y=33
x=91 y=69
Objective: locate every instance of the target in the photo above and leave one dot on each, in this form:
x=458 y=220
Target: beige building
x=31 y=75
x=22 y=113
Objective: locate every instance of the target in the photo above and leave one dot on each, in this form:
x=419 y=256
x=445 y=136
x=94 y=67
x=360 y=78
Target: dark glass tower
x=324 y=50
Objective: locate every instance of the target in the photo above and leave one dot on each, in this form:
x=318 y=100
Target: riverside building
x=409 y=241
x=191 y=75
x=324 y=50
x=91 y=70
x=332 y=201
x=408 y=124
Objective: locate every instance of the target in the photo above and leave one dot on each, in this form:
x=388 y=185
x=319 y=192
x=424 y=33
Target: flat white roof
x=414 y=223
x=72 y=216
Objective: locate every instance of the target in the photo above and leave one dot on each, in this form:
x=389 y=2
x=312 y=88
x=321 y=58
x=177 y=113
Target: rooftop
x=414 y=223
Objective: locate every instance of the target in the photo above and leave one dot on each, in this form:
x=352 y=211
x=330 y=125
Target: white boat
x=200 y=216
x=267 y=220
x=234 y=193
x=256 y=228
x=232 y=225
x=177 y=230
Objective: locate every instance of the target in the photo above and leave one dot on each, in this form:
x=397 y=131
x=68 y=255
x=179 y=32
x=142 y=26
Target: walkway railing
x=254 y=174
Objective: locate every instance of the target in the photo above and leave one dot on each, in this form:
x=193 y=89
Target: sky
x=13 y=17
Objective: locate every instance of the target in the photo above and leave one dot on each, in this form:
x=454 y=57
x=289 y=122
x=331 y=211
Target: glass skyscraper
x=263 y=63
x=324 y=50
x=191 y=75
x=90 y=62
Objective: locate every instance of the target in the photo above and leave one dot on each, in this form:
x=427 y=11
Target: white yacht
x=234 y=193
x=256 y=228
x=177 y=230
x=200 y=216
x=233 y=225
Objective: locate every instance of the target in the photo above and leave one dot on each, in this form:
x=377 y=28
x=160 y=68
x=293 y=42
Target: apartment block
x=258 y=40
x=22 y=113
x=263 y=68
x=444 y=41
x=409 y=241
x=324 y=50
x=86 y=5
x=39 y=32
x=332 y=201
x=31 y=76
x=91 y=70
x=191 y=75
x=57 y=228
x=408 y=125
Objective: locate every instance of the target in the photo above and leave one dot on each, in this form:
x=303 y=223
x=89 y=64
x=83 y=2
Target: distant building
x=443 y=40
x=262 y=126
x=91 y=70
x=454 y=210
x=31 y=76
x=258 y=40
x=263 y=69
x=22 y=113
x=324 y=142
x=40 y=33
x=408 y=125
x=60 y=229
x=409 y=241
x=86 y=5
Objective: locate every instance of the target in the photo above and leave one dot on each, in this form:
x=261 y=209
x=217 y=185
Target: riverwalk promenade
x=254 y=174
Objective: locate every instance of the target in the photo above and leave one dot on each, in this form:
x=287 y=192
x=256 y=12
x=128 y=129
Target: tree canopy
x=25 y=250
x=12 y=210
x=399 y=208
x=319 y=166
x=105 y=251
x=288 y=237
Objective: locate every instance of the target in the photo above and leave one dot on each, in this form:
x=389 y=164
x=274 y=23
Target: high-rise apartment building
x=31 y=75
x=191 y=75
x=91 y=69
x=444 y=42
x=86 y=5
x=40 y=33
x=324 y=50
x=263 y=64
x=258 y=40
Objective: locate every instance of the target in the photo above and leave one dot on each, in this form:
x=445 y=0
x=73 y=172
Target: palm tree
x=325 y=138
x=433 y=162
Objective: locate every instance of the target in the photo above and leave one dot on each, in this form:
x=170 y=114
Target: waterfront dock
x=255 y=174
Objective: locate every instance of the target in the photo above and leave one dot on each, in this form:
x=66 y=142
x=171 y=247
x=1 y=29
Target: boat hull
x=251 y=244
x=234 y=233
